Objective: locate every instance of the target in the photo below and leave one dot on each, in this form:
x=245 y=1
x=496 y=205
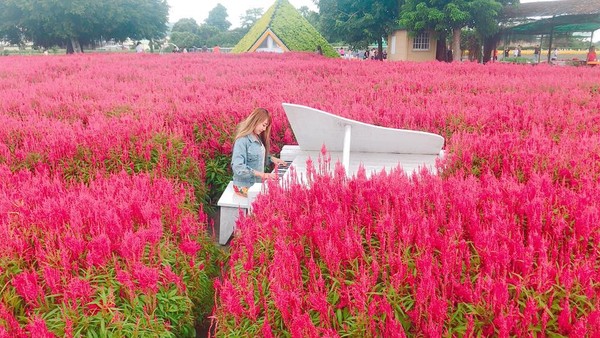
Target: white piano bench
x=230 y=205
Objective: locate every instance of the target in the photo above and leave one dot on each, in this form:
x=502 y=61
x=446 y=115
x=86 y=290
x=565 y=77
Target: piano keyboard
x=281 y=170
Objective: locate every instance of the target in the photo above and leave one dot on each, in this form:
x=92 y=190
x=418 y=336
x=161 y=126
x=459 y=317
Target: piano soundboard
x=355 y=144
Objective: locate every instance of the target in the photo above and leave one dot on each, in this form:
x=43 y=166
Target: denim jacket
x=248 y=156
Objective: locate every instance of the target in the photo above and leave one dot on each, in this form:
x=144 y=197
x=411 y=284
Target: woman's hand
x=278 y=161
x=267 y=176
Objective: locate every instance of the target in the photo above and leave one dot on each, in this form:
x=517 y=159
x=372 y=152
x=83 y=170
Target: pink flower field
x=111 y=164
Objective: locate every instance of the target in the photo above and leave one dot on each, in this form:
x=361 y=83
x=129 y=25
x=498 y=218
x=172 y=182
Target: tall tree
x=310 y=15
x=186 y=25
x=217 y=17
x=72 y=23
x=450 y=17
x=249 y=18
x=184 y=34
x=185 y=40
x=486 y=22
x=143 y=19
x=207 y=34
x=358 y=22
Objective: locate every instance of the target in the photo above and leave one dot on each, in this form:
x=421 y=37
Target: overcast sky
x=198 y=9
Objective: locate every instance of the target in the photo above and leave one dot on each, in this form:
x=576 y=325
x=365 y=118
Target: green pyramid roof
x=290 y=27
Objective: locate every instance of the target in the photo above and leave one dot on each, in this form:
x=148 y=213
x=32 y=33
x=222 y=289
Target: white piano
x=350 y=142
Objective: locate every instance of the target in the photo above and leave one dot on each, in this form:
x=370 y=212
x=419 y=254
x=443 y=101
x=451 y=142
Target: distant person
x=366 y=55
x=319 y=50
x=495 y=55
x=506 y=52
x=519 y=51
x=139 y=48
x=204 y=49
x=342 y=52
x=216 y=49
x=554 y=55
x=536 y=54
x=591 y=55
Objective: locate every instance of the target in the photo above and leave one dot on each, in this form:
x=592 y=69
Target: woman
x=591 y=55
x=251 y=151
x=554 y=54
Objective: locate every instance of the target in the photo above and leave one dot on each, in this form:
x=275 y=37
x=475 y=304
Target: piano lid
x=314 y=128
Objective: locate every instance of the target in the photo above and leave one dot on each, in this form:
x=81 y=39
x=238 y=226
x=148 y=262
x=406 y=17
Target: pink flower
x=153 y=233
x=27 y=287
x=4 y=333
x=78 y=291
x=98 y=250
x=38 y=329
x=564 y=318
x=190 y=247
x=11 y=324
x=266 y=330
x=146 y=277
x=68 y=328
x=170 y=277
x=132 y=247
x=52 y=277
x=124 y=278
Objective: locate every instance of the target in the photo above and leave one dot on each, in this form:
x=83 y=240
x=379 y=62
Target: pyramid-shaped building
x=283 y=29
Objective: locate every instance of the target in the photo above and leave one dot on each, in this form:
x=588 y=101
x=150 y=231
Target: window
x=421 y=41
x=269 y=45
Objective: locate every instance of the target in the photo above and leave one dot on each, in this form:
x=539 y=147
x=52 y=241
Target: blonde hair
x=247 y=127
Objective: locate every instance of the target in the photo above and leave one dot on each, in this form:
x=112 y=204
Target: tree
x=250 y=17
x=185 y=34
x=217 y=17
x=185 y=39
x=450 y=17
x=72 y=23
x=486 y=23
x=227 y=39
x=188 y=25
x=309 y=15
x=358 y=22
x=207 y=34
x=141 y=19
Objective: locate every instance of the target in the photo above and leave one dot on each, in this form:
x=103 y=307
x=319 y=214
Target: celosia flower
x=98 y=250
x=52 y=278
x=38 y=329
x=564 y=318
x=68 y=328
x=190 y=247
x=26 y=285
x=4 y=333
x=11 y=325
x=170 y=277
x=78 y=291
x=146 y=277
x=132 y=247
